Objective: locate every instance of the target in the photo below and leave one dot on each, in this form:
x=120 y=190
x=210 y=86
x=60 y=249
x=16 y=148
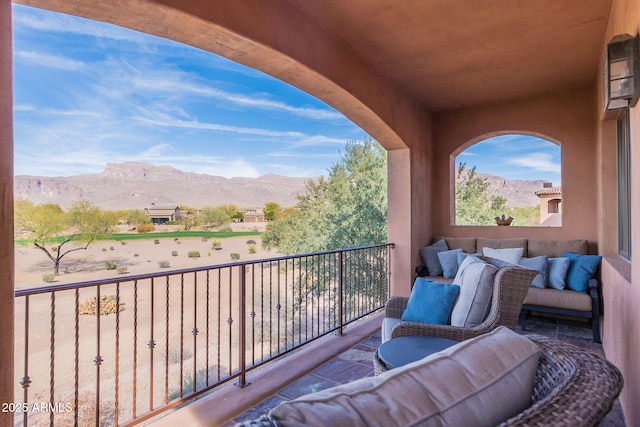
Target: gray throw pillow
x=540 y=264
x=558 y=268
x=449 y=262
x=429 y=255
x=475 y=278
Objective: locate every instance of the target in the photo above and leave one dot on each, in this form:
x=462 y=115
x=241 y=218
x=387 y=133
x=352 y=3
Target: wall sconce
x=621 y=73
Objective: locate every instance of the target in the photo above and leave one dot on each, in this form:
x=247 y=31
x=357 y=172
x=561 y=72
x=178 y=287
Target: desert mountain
x=136 y=185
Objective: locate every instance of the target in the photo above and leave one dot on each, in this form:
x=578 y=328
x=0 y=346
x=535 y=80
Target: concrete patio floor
x=356 y=362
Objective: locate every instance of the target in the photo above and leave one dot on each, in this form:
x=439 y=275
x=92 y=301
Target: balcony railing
x=171 y=336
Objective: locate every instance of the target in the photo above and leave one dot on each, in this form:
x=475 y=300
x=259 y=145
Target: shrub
x=235 y=256
x=48 y=277
x=110 y=265
x=174 y=253
x=111 y=248
x=104 y=249
x=164 y=264
x=156 y=242
x=252 y=249
x=107 y=305
x=123 y=269
x=251 y=242
x=136 y=254
x=122 y=242
x=216 y=244
x=175 y=239
x=145 y=228
x=194 y=254
x=226 y=229
x=205 y=238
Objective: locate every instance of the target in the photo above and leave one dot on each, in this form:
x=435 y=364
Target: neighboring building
x=254 y=215
x=163 y=214
x=550 y=205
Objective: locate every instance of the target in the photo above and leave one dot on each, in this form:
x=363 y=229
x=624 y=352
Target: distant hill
x=132 y=185
x=519 y=193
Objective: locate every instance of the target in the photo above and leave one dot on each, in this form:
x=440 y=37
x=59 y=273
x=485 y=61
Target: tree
x=136 y=217
x=272 y=211
x=214 y=216
x=188 y=217
x=347 y=209
x=48 y=224
x=474 y=204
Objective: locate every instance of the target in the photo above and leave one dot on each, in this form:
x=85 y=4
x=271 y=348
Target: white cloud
x=539 y=161
x=50 y=61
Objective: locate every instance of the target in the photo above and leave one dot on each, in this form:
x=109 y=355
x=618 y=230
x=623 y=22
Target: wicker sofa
x=564 y=302
x=570 y=386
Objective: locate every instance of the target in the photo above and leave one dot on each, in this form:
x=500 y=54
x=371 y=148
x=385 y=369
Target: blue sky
x=87 y=93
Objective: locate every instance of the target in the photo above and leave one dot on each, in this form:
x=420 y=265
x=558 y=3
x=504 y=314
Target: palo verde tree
x=57 y=233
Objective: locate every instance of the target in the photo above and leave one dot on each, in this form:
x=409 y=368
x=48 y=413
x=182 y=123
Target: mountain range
x=134 y=185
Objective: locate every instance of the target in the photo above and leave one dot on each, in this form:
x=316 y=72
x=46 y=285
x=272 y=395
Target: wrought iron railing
x=171 y=336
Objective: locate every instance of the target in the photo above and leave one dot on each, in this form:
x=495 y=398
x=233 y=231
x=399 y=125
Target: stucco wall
x=567 y=118
x=6 y=219
x=621 y=291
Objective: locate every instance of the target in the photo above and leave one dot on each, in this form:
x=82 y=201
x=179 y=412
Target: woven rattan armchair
x=510 y=286
x=572 y=387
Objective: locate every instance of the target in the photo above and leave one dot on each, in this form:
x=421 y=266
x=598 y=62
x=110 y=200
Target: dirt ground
x=139 y=256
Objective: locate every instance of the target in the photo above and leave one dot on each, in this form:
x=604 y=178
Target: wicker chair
x=510 y=286
x=572 y=387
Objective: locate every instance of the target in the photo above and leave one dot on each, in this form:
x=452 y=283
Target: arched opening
x=511 y=175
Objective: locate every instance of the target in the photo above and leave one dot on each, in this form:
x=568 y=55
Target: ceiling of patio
x=456 y=53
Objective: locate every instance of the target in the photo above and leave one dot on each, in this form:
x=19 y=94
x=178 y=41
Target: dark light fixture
x=621 y=73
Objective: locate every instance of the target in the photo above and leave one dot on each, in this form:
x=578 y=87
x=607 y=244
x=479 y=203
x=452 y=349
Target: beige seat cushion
x=479 y=382
x=467 y=244
x=564 y=298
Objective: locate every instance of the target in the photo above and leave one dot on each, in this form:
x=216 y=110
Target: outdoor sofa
x=550 y=292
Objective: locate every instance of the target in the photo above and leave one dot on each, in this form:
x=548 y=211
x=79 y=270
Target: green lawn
x=149 y=236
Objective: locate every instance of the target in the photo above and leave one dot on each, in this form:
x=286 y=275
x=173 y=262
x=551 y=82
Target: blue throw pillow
x=449 y=262
x=581 y=269
x=558 y=268
x=539 y=264
x=430 y=302
x=429 y=255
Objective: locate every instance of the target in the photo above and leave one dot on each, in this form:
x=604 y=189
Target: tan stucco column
x=6 y=219
x=399 y=220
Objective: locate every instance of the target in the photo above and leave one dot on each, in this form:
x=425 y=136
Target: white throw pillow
x=475 y=278
x=512 y=255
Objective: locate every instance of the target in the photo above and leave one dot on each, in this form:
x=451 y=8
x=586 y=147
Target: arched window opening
x=509 y=176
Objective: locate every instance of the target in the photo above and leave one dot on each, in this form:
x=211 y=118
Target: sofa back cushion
x=478 y=382
x=556 y=248
x=467 y=244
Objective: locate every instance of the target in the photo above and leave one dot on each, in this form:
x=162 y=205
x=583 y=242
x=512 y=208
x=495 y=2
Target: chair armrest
x=395 y=307
x=417 y=329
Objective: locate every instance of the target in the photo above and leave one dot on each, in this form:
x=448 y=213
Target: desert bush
x=145 y=228
x=48 y=277
x=205 y=238
x=108 y=305
x=111 y=248
x=174 y=253
x=110 y=265
x=235 y=256
x=104 y=249
x=164 y=264
x=156 y=242
x=122 y=242
x=194 y=254
x=216 y=244
x=226 y=229
x=175 y=239
x=136 y=255
x=123 y=269
x=252 y=249
x=251 y=242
